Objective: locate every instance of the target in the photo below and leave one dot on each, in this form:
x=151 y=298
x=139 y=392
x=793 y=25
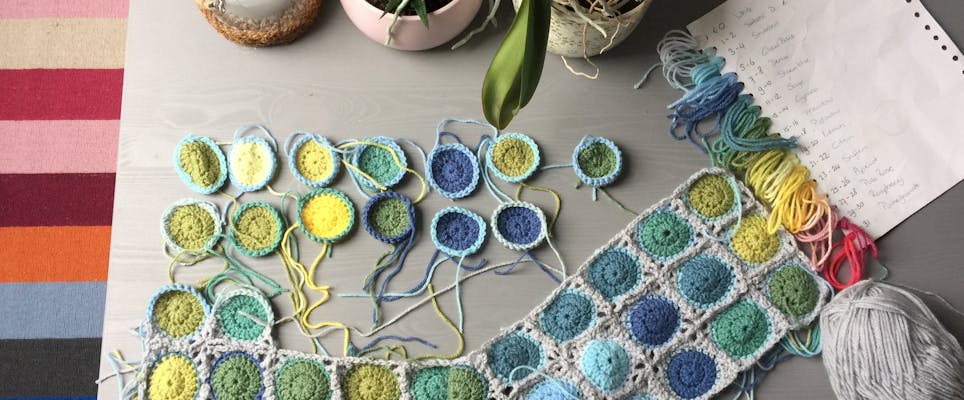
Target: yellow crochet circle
x=178 y=313
x=711 y=196
x=752 y=242
x=371 y=382
x=512 y=157
x=191 y=226
x=173 y=378
x=250 y=163
x=256 y=228
x=326 y=216
x=199 y=162
x=314 y=161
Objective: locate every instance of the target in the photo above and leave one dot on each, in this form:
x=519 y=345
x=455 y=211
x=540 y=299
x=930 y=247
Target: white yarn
x=881 y=342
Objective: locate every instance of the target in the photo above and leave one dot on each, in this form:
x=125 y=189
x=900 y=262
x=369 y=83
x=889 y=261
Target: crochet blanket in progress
x=689 y=294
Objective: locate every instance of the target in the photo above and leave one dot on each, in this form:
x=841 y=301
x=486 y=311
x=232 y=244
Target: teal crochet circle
x=605 y=363
x=567 y=315
x=517 y=352
x=379 y=163
x=704 y=280
x=234 y=312
x=664 y=234
x=614 y=272
x=431 y=384
x=742 y=329
x=554 y=389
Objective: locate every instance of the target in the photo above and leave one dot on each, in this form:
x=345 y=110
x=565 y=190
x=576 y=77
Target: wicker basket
x=284 y=22
x=572 y=36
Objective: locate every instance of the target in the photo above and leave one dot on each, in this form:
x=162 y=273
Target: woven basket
x=568 y=32
x=291 y=20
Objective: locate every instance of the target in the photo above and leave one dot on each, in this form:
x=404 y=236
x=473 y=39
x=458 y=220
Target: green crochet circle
x=664 y=234
x=711 y=196
x=793 y=291
x=256 y=229
x=597 y=160
x=235 y=324
x=466 y=384
x=302 y=380
x=742 y=329
x=379 y=163
x=389 y=217
x=236 y=377
x=431 y=384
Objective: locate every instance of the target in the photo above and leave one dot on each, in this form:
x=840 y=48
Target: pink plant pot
x=409 y=33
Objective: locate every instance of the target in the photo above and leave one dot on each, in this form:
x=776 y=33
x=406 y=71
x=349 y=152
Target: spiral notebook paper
x=872 y=89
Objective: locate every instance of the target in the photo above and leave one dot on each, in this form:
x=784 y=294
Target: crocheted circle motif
x=200 y=164
x=252 y=163
x=389 y=217
x=370 y=382
x=519 y=225
x=173 y=377
x=458 y=232
x=431 y=384
x=178 y=311
x=597 y=161
x=691 y=373
x=513 y=156
x=704 y=280
x=614 y=272
x=555 y=389
x=511 y=352
x=379 y=163
x=653 y=321
x=452 y=170
x=302 y=379
x=256 y=229
x=752 y=242
x=236 y=376
x=313 y=161
x=567 y=315
x=711 y=196
x=605 y=363
x=466 y=383
x=191 y=225
x=325 y=215
x=793 y=291
x=741 y=330
x=664 y=234
x=234 y=310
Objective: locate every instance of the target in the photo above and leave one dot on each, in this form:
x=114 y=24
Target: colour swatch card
x=872 y=89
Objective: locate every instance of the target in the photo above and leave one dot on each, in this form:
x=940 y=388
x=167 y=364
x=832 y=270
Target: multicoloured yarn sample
x=673 y=307
x=200 y=164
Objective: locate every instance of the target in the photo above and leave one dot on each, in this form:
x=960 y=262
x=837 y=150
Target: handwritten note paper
x=872 y=89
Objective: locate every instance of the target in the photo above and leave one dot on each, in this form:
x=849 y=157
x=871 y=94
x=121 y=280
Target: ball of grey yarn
x=881 y=342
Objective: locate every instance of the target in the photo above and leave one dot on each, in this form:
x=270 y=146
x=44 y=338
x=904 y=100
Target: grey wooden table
x=182 y=77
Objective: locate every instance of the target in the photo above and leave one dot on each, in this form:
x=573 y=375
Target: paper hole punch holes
x=453 y=171
x=458 y=232
x=191 y=225
x=302 y=379
x=256 y=229
x=236 y=376
x=312 y=159
x=597 y=161
x=243 y=315
x=200 y=164
x=173 y=377
x=448 y=383
x=252 y=159
x=379 y=163
x=177 y=311
x=519 y=225
x=326 y=215
x=370 y=382
x=389 y=217
x=513 y=156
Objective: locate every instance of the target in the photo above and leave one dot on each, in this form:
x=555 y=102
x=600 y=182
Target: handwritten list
x=871 y=89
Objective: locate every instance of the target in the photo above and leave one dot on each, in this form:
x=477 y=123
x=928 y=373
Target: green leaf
x=422 y=13
x=390 y=7
x=515 y=70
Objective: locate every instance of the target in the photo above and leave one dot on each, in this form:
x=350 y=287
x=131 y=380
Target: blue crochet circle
x=605 y=363
x=567 y=315
x=511 y=352
x=452 y=170
x=704 y=280
x=519 y=225
x=600 y=181
x=554 y=389
x=272 y=164
x=324 y=143
x=653 y=321
x=458 y=232
x=222 y=167
x=528 y=172
x=368 y=213
x=614 y=272
x=691 y=373
x=361 y=152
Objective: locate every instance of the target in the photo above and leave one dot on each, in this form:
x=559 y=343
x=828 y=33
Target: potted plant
x=413 y=24
x=568 y=28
